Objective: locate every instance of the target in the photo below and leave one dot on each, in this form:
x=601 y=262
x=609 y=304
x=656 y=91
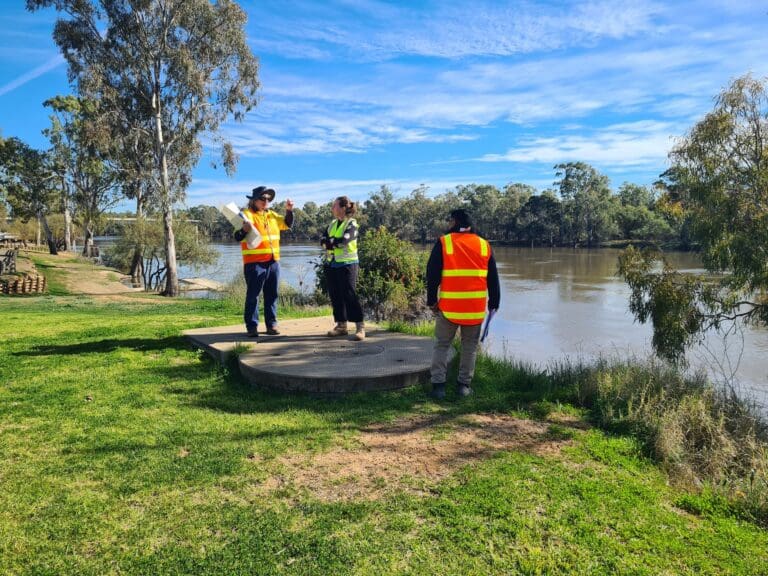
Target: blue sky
x=359 y=93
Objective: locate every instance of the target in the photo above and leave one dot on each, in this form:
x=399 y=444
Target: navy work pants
x=261 y=276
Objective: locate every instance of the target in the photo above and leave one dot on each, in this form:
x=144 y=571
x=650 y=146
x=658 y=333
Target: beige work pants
x=445 y=330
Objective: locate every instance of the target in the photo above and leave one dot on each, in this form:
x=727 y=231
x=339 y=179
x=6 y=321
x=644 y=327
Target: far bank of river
x=558 y=304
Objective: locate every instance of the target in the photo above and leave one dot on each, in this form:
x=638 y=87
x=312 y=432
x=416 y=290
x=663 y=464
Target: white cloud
x=637 y=144
x=218 y=192
x=54 y=62
x=458 y=29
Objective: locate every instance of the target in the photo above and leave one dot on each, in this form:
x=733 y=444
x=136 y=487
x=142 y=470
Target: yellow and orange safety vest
x=268 y=224
x=463 y=294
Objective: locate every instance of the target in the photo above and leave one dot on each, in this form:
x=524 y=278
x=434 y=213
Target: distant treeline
x=580 y=210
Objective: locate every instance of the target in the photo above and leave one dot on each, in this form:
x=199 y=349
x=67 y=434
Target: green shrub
x=392 y=280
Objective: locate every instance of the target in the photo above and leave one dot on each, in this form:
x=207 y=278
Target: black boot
x=464 y=390
x=438 y=390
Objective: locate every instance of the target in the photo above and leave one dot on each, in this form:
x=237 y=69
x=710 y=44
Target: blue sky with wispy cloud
x=359 y=93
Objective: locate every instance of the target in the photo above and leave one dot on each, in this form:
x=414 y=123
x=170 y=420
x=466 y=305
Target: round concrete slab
x=302 y=358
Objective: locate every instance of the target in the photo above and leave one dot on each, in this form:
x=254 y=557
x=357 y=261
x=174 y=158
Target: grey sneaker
x=464 y=390
x=438 y=390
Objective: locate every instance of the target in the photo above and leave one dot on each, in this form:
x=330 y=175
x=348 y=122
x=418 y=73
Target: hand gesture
x=288 y=204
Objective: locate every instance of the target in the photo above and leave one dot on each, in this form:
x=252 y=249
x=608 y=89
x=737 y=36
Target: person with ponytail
x=340 y=243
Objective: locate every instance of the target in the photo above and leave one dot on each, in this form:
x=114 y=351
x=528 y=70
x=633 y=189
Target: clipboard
x=488 y=318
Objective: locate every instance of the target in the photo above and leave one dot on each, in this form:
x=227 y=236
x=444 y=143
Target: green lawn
x=125 y=451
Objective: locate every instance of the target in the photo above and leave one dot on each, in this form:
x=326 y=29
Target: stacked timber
x=27 y=285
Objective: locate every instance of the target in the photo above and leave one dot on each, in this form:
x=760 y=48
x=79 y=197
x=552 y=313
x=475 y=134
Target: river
x=560 y=303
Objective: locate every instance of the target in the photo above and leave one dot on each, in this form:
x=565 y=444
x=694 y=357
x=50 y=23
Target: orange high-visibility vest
x=268 y=224
x=463 y=294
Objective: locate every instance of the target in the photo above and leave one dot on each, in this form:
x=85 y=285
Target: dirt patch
x=410 y=455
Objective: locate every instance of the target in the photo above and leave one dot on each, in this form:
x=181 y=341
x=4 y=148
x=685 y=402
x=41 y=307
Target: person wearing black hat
x=461 y=279
x=261 y=262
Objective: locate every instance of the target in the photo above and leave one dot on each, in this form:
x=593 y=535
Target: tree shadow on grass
x=109 y=345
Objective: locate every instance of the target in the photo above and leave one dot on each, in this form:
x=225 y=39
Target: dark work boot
x=438 y=390
x=253 y=332
x=464 y=390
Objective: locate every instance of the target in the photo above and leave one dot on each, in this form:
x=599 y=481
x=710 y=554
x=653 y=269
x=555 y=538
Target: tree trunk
x=171 y=278
x=37 y=238
x=67 y=229
x=49 y=236
x=137 y=263
x=87 y=239
x=67 y=216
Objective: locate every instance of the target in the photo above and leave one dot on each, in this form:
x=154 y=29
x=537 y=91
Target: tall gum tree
x=81 y=151
x=184 y=63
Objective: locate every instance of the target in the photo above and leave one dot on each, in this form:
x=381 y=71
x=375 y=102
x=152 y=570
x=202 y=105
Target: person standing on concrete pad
x=261 y=263
x=461 y=279
x=342 y=268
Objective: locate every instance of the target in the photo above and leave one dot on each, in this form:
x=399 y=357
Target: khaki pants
x=445 y=330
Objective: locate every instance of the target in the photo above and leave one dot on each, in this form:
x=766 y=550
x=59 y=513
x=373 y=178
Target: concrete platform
x=303 y=359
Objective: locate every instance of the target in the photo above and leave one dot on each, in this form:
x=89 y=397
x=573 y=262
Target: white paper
x=233 y=214
x=236 y=218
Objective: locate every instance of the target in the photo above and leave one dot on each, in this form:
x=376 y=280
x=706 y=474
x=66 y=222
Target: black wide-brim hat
x=262 y=192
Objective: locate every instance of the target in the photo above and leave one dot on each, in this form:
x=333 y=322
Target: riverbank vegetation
x=126 y=450
x=717 y=177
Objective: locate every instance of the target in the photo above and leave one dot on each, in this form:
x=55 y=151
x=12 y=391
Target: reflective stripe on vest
x=269 y=249
x=463 y=294
x=346 y=252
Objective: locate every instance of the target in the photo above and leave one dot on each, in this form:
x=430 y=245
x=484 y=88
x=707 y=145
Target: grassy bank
x=126 y=451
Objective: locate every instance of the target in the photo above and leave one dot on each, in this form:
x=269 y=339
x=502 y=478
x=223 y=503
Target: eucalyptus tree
x=61 y=150
x=381 y=209
x=719 y=176
x=483 y=202
x=29 y=184
x=540 y=219
x=514 y=197
x=417 y=210
x=81 y=151
x=184 y=64
x=587 y=203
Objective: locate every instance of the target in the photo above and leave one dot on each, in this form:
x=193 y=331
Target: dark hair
x=462 y=218
x=349 y=207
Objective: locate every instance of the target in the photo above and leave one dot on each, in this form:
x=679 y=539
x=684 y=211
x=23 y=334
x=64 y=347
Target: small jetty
x=303 y=359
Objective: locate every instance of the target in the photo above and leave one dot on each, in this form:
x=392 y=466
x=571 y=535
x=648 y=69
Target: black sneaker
x=464 y=390
x=438 y=391
x=273 y=331
x=253 y=333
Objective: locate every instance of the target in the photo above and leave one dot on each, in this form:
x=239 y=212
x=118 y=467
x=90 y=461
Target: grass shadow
x=109 y=345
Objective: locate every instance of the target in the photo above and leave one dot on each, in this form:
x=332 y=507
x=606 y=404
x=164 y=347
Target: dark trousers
x=261 y=276
x=342 y=282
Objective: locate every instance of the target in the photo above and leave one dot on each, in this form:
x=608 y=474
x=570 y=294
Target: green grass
x=56 y=277
x=125 y=451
